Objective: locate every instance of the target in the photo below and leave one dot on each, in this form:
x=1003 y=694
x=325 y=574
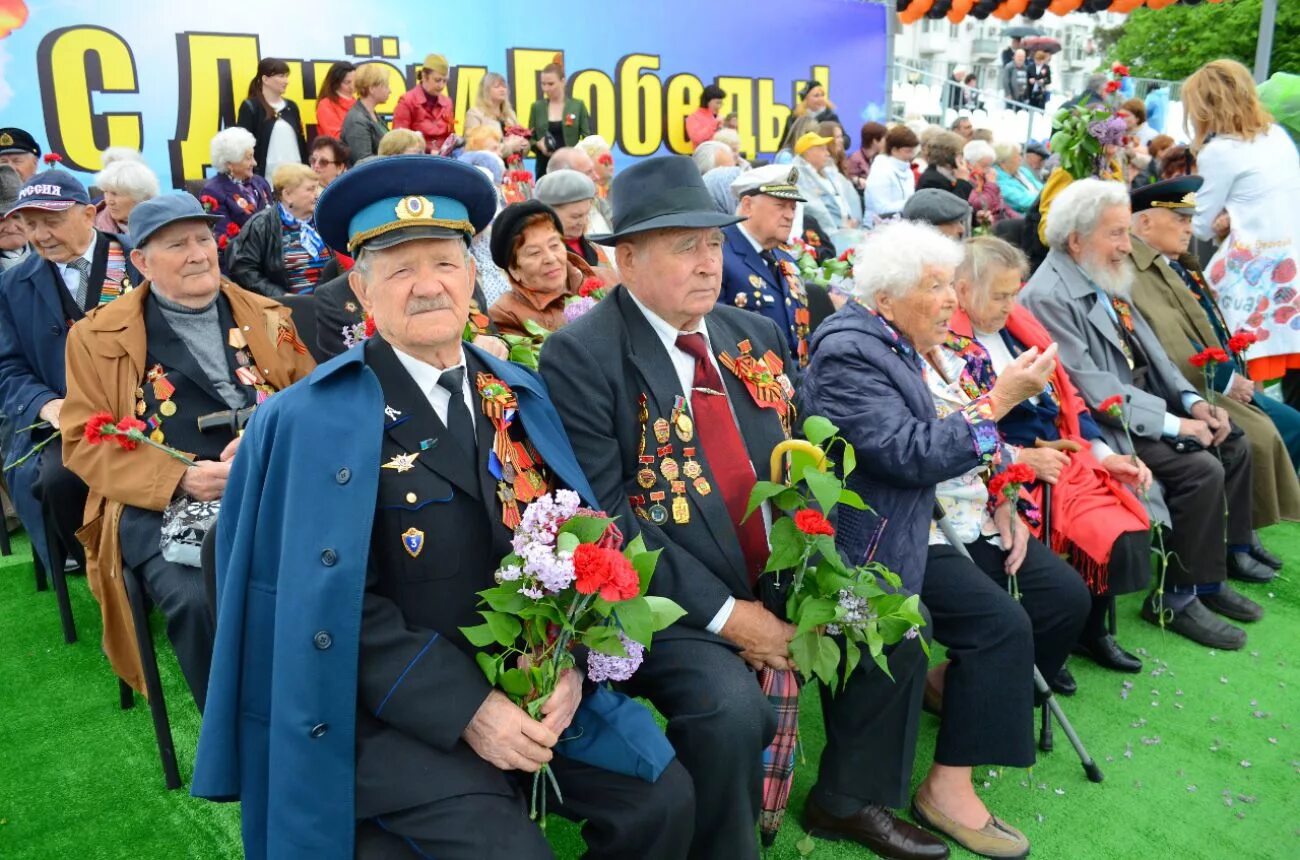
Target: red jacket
x=434 y=118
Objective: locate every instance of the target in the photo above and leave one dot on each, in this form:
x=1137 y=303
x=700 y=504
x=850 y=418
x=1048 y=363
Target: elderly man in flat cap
x=652 y=387
x=427 y=108
x=1172 y=294
x=941 y=209
x=368 y=507
x=187 y=355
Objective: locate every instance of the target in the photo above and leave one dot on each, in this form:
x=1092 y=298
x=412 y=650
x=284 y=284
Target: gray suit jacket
x=1063 y=299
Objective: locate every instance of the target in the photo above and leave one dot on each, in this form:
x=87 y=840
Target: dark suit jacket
x=34 y=324
x=598 y=368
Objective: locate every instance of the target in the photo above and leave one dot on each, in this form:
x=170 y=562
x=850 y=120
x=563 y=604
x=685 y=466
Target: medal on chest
x=515 y=464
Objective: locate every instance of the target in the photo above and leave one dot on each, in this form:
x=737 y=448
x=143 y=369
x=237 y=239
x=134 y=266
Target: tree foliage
x=1173 y=42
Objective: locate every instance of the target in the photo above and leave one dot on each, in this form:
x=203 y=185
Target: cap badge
x=6 y=139
x=793 y=178
x=409 y=208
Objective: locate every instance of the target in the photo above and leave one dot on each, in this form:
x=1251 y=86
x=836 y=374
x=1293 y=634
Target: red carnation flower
x=232 y=229
x=1113 y=405
x=605 y=159
x=812 y=522
x=1112 y=86
x=1120 y=69
x=370 y=326
x=126 y=425
x=209 y=202
x=94 y=431
x=52 y=158
x=589 y=286
x=599 y=569
x=222 y=242
x=1241 y=341
x=1209 y=355
x=1009 y=482
x=514 y=158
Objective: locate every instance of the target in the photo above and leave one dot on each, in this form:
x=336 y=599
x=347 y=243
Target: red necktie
x=733 y=473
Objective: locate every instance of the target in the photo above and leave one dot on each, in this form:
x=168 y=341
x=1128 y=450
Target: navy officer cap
x=16 y=140
x=1178 y=194
x=387 y=201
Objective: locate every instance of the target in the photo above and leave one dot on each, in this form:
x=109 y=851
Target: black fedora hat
x=659 y=194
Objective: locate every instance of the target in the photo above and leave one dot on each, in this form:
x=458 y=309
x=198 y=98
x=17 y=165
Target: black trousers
x=177 y=590
x=993 y=644
x=1129 y=568
x=719 y=722
x=624 y=817
x=1195 y=486
x=63 y=505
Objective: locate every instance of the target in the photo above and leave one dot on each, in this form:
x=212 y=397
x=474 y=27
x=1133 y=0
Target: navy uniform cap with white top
x=767 y=280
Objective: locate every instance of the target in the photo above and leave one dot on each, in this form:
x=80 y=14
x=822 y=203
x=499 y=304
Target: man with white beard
x=1081 y=294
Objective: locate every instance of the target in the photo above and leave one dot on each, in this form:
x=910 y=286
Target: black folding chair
x=1040 y=684
x=152 y=682
x=58 y=574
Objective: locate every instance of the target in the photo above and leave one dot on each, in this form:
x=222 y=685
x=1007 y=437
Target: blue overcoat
x=292 y=543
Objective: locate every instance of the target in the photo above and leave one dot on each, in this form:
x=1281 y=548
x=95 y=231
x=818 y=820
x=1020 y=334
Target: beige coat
x=1180 y=323
x=105 y=360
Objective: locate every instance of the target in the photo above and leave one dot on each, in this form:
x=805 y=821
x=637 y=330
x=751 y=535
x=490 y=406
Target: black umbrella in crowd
x=1020 y=31
x=1041 y=43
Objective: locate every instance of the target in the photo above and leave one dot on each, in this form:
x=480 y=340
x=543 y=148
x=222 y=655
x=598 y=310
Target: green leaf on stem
x=636 y=619
x=817 y=429
x=803 y=651
x=816 y=612
x=567 y=541
x=489 y=664
x=506 y=599
x=763 y=490
x=605 y=640
x=480 y=635
x=586 y=529
x=643 y=562
x=787 y=545
x=791 y=500
x=665 y=612
x=825 y=545
x=849 y=459
x=825 y=488
x=852 y=656
x=515 y=682
x=851 y=499
x=827 y=661
x=505 y=628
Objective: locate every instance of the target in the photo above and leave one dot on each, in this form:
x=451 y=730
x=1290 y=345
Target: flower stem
x=36 y=449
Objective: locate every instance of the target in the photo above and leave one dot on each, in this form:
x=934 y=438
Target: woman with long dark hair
x=274 y=121
x=334 y=99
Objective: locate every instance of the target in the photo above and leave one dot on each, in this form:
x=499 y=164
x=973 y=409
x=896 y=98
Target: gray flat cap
x=936 y=206
x=9 y=185
x=558 y=187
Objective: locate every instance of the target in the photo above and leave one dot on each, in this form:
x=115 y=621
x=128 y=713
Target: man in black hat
x=19 y=150
x=13 y=241
x=188 y=355
x=1171 y=292
x=391 y=507
x=946 y=211
x=74 y=269
x=651 y=394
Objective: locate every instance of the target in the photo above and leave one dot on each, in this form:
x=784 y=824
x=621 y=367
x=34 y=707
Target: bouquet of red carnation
x=128 y=434
x=1008 y=484
x=517 y=131
x=209 y=202
x=1208 y=359
x=518 y=186
x=568 y=582
x=1242 y=341
x=592 y=291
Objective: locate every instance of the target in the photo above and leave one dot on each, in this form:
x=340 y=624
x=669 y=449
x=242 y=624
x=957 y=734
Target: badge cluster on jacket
x=663 y=468
x=514 y=462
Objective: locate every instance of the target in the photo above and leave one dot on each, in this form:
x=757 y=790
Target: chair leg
x=6 y=548
x=42 y=584
x=152 y=683
x=125 y=695
x=65 y=604
x=1111 y=622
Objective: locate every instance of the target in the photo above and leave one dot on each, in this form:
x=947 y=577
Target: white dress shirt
x=684 y=365
x=71 y=277
x=426 y=376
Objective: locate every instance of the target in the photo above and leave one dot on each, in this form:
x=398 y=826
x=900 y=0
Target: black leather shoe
x=1105 y=651
x=1232 y=604
x=1199 y=625
x=1245 y=567
x=878 y=829
x=1261 y=554
x=1064 y=684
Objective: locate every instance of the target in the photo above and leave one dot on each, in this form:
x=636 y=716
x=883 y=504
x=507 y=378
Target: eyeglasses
x=322 y=162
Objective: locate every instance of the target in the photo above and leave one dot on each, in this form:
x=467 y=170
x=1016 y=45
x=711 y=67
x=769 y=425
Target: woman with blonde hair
x=401 y=141
x=485 y=138
x=492 y=109
x=1248 y=202
x=363 y=128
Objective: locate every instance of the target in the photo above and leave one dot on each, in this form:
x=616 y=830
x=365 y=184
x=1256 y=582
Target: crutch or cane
x=1045 y=730
x=1089 y=766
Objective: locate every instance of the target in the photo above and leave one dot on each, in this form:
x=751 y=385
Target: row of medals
x=690 y=469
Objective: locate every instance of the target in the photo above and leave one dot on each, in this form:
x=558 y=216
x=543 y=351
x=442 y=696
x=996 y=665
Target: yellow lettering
x=468 y=79
x=214 y=71
x=526 y=66
x=740 y=101
x=772 y=117
x=641 y=121
x=74 y=63
x=596 y=89
x=682 y=98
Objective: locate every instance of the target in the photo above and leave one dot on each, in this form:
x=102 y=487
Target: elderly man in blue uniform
x=19 y=150
x=757 y=273
x=73 y=269
x=659 y=389
x=362 y=518
x=1172 y=295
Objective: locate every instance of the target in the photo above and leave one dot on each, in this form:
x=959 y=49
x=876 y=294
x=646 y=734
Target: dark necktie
x=774 y=267
x=724 y=449
x=82 y=267
x=459 y=423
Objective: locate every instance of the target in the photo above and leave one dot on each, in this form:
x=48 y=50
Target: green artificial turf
x=1201 y=758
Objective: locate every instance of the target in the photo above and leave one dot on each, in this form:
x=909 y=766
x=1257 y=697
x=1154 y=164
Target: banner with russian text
x=164 y=77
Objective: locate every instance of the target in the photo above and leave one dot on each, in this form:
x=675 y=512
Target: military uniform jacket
x=748 y=282
x=601 y=369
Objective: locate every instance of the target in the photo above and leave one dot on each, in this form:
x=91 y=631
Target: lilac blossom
x=1109 y=131
x=578 y=307
x=552 y=570
x=607 y=667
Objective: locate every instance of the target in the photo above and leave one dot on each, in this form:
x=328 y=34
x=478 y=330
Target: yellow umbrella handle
x=791 y=446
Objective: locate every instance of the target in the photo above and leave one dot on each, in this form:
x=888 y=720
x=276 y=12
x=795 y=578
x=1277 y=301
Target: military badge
x=402 y=462
x=391 y=414
x=413 y=542
x=741 y=300
x=661 y=430
x=658 y=513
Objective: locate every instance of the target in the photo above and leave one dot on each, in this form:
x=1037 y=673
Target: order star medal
x=402 y=462
x=413 y=542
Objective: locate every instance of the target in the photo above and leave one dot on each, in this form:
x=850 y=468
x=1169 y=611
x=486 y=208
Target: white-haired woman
x=1018 y=184
x=597 y=148
x=985 y=196
x=881 y=373
x=125 y=182
x=236 y=193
